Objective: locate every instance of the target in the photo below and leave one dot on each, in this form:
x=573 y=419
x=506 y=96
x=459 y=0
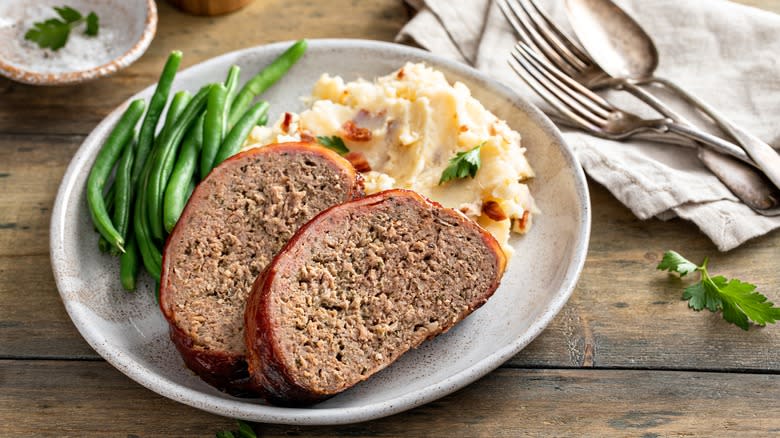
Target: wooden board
x=91 y=399
x=625 y=357
x=639 y=321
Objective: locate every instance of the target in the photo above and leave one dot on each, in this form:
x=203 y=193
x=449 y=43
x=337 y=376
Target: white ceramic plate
x=128 y=330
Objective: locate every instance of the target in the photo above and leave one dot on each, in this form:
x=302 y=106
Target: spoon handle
x=759 y=151
x=649 y=98
x=750 y=186
x=713 y=142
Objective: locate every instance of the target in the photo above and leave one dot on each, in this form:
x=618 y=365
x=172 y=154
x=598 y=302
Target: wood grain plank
x=636 y=322
x=93 y=399
x=625 y=313
x=77 y=109
x=31 y=168
x=33 y=321
x=768 y=5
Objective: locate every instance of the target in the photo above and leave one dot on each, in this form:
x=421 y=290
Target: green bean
x=231 y=83
x=213 y=127
x=104 y=162
x=190 y=189
x=176 y=193
x=263 y=120
x=156 y=106
x=179 y=103
x=123 y=189
x=109 y=197
x=128 y=263
x=263 y=80
x=103 y=244
x=150 y=254
x=239 y=133
x=163 y=165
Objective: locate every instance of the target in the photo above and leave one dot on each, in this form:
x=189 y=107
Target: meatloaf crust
x=237 y=218
x=359 y=285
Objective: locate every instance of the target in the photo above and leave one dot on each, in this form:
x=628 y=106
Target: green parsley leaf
x=68 y=14
x=463 y=164
x=53 y=33
x=245 y=430
x=92 y=24
x=738 y=300
x=333 y=142
x=674 y=262
x=701 y=295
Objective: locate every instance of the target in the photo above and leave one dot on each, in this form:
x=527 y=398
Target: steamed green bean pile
x=155 y=173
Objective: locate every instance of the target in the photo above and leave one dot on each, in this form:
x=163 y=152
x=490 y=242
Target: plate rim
x=342 y=415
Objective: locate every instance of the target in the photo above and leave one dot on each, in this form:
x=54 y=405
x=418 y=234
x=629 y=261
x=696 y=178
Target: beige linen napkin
x=724 y=53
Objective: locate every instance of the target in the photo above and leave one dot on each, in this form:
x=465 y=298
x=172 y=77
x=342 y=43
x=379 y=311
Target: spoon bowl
x=622 y=49
x=613 y=39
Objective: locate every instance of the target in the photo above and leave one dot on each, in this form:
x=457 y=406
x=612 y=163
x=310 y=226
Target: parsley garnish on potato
x=333 y=142
x=738 y=300
x=463 y=164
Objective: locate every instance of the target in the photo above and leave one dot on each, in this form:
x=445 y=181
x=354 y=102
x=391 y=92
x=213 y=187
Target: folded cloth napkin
x=725 y=53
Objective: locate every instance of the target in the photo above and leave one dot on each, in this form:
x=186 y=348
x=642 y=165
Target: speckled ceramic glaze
x=128 y=330
x=126 y=29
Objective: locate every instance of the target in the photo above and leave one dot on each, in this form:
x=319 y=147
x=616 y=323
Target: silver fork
x=749 y=183
x=536 y=29
x=593 y=112
x=597 y=116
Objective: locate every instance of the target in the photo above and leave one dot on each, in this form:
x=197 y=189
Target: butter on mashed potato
x=402 y=130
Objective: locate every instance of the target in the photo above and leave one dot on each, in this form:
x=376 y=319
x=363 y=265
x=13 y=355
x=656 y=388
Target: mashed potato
x=402 y=130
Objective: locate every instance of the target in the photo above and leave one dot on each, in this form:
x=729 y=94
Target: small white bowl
x=125 y=32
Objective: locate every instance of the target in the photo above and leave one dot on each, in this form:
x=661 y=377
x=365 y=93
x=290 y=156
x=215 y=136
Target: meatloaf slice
x=235 y=222
x=358 y=286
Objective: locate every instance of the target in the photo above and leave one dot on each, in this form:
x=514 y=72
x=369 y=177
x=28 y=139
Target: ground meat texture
x=235 y=222
x=358 y=286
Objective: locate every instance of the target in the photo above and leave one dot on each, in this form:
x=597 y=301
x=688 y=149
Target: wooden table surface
x=625 y=357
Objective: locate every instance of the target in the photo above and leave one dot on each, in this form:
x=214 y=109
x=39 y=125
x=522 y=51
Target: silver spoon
x=624 y=50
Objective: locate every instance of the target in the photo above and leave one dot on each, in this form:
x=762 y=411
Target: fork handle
x=759 y=151
x=647 y=97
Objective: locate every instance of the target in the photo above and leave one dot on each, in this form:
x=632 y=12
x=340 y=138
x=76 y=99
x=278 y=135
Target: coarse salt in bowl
x=125 y=31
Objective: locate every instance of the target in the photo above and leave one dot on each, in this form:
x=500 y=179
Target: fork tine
x=553 y=92
x=565 y=45
x=574 y=88
x=546 y=42
x=584 y=105
x=556 y=103
x=519 y=20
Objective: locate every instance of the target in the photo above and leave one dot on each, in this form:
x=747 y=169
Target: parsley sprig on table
x=738 y=300
x=463 y=164
x=54 y=32
x=244 y=431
